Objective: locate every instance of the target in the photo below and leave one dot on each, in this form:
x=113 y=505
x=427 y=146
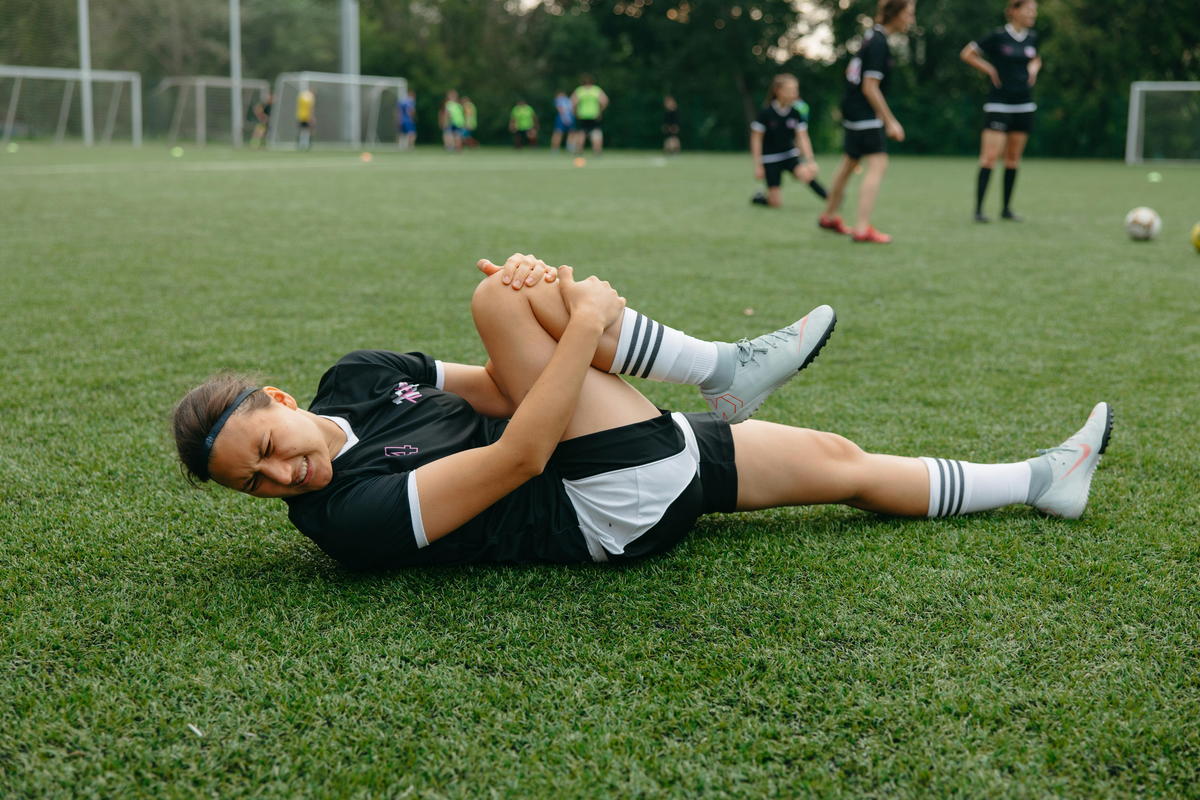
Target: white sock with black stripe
x=960 y=487
x=648 y=349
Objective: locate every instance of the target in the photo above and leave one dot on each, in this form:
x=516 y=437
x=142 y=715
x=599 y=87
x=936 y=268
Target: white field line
x=451 y=164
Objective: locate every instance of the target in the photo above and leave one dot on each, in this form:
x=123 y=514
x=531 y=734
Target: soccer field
x=160 y=641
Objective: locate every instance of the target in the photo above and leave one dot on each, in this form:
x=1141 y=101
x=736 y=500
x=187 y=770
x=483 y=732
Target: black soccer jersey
x=1010 y=55
x=396 y=419
x=874 y=60
x=778 y=125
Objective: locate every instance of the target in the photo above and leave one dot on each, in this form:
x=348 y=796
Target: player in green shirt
x=589 y=101
x=522 y=124
x=453 y=122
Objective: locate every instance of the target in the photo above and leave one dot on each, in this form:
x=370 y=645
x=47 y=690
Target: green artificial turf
x=160 y=641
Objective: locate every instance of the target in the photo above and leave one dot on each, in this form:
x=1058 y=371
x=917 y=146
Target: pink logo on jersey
x=401 y=450
x=1030 y=52
x=405 y=391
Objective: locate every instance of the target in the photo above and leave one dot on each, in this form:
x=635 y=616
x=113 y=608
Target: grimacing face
x=277 y=451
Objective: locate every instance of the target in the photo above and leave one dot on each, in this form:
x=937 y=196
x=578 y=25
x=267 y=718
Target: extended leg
x=868 y=193
x=779 y=465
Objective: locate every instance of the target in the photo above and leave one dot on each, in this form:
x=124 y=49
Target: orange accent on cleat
x=872 y=235
x=834 y=224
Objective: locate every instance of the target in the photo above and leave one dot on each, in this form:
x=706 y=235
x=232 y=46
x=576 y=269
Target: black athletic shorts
x=865 y=142
x=1021 y=122
x=774 y=171
x=587 y=125
x=637 y=490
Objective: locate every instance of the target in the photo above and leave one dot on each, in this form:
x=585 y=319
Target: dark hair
x=888 y=10
x=1013 y=5
x=776 y=82
x=195 y=414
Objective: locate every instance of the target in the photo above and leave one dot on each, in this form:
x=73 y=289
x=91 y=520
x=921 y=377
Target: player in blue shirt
x=547 y=455
x=406 y=121
x=564 y=122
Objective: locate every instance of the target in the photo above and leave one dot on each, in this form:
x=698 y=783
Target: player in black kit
x=867 y=120
x=779 y=142
x=1009 y=57
x=546 y=455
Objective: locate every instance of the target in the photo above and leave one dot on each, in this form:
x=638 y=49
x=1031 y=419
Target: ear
x=280 y=396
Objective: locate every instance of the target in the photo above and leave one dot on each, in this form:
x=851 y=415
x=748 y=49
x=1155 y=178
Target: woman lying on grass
x=546 y=455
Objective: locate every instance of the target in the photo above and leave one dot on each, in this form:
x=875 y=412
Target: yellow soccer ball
x=1196 y=236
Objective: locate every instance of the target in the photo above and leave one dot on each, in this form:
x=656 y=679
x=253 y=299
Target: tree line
x=715 y=56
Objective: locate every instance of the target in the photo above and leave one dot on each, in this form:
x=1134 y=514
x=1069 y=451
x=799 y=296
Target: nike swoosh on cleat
x=1087 y=451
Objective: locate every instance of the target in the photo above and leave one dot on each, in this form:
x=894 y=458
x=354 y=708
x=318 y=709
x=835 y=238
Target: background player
x=522 y=124
x=589 y=101
x=1009 y=57
x=779 y=142
x=260 y=114
x=564 y=121
x=452 y=122
x=402 y=459
x=470 y=123
x=866 y=118
x=406 y=121
x=306 y=117
x=670 y=127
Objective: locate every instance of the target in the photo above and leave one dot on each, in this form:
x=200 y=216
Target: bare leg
x=519 y=347
x=991 y=145
x=869 y=192
x=837 y=191
x=774 y=196
x=779 y=465
x=1013 y=149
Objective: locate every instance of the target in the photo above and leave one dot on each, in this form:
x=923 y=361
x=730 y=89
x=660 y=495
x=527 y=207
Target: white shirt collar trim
x=1020 y=37
x=351 y=439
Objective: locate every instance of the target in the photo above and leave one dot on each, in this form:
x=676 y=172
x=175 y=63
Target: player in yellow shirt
x=589 y=101
x=522 y=124
x=306 y=103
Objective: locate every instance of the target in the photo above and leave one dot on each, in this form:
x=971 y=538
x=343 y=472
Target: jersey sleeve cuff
x=439 y=380
x=757 y=126
x=414 y=509
x=873 y=74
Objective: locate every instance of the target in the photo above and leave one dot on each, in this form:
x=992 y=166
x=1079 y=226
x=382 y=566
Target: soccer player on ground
x=589 y=101
x=867 y=118
x=306 y=117
x=1009 y=57
x=522 y=124
x=452 y=122
x=779 y=142
x=670 y=127
x=564 y=121
x=260 y=115
x=406 y=121
x=546 y=455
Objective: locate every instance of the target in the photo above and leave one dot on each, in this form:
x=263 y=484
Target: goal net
x=348 y=110
x=1164 y=122
x=200 y=108
x=52 y=104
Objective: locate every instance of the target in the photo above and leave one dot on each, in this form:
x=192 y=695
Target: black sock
x=1010 y=180
x=816 y=186
x=985 y=175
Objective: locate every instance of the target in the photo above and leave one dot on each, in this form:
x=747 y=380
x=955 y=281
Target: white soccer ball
x=1143 y=224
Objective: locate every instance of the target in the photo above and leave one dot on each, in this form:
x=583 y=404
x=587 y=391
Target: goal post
x=200 y=106
x=41 y=102
x=349 y=110
x=1164 y=121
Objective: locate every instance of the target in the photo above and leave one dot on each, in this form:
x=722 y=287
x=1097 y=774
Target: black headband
x=221 y=420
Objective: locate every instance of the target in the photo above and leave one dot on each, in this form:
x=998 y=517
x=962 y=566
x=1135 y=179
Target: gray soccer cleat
x=767 y=362
x=1070 y=465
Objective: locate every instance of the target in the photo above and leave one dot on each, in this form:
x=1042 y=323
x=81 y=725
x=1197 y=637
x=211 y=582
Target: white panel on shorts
x=414 y=510
x=1009 y=108
x=615 y=508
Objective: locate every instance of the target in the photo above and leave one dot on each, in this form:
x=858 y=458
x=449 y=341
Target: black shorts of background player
x=1008 y=56
x=547 y=454
x=779 y=142
x=867 y=119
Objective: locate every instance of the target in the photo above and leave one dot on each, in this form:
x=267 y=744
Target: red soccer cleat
x=834 y=224
x=872 y=235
